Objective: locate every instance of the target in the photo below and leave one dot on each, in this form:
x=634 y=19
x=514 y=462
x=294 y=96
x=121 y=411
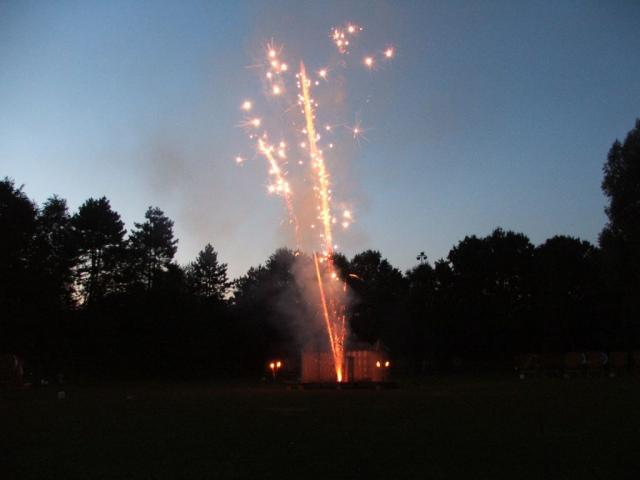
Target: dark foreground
x=498 y=427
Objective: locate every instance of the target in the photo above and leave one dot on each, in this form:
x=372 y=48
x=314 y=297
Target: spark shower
x=299 y=171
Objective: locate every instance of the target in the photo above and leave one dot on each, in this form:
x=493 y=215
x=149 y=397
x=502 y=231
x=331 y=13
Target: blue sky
x=492 y=114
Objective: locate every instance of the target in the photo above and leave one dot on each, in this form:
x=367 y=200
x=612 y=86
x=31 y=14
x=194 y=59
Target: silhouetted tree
x=443 y=328
x=341 y=264
x=17 y=228
x=99 y=234
x=620 y=239
x=492 y=280
x=621 y=184
x=421 y=284
x=568 y=295
x=207 y=277
x=378 y=311
x=152 y=245
x=271 y=308
x=54 y=254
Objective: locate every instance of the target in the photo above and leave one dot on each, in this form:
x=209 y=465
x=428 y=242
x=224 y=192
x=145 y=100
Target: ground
x=441 y=427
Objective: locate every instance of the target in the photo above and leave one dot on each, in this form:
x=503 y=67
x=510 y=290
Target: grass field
x=450 y=427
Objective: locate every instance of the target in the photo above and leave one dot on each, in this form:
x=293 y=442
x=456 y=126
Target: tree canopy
x=99 y=234
x=152 y=245
x=75 y=288
x=207 y=277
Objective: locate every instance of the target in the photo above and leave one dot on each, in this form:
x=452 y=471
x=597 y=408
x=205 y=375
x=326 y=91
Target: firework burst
x=276 y=72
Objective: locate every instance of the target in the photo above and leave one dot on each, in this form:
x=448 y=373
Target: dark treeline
x=80 y=294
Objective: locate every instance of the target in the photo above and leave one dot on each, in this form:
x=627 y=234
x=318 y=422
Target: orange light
x=386 y=364
x=388 y=52
x=279 y=364
x=272 y=365
x=368 y=61
x=378 y=364
x=246 y=105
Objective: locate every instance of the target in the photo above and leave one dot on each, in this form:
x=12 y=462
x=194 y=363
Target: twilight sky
x=491 y=114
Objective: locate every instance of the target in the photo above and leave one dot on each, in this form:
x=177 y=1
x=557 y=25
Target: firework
x=331 y=290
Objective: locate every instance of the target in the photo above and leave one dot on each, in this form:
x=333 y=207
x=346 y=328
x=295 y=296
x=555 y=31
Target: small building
x=317 y=367
x=364 y=362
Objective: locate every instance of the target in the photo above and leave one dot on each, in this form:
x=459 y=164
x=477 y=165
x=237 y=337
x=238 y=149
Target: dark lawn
x=454 y=427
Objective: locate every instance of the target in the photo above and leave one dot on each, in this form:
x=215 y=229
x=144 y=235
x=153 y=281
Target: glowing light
x=323 y=73
x=284 y=67
x=246 y=105
x=279 y=364
x=239 y=159
x=389 y=52
x=256 y=122
x=276 y=90
x=272 y=53
x=386 y=364
x=368 y=61
x=378 y=364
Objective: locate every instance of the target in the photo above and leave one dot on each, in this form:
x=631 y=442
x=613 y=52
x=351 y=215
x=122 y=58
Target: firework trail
x=336 y=341
x=281 y=186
